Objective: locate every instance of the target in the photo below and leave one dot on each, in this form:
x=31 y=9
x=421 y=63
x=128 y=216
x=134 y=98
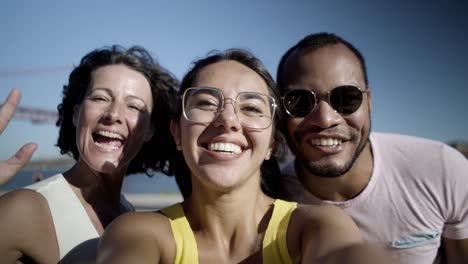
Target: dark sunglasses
x=345 y=100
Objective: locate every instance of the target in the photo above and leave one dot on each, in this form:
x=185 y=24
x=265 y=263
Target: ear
x=175 y=131
x=149 y=133
x=369 y=99
x=271 y=148
x=76 y=114
x=268 y=155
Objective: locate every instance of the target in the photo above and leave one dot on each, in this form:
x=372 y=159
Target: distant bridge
x=35 y=115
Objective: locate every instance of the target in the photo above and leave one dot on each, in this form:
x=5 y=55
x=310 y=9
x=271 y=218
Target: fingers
x=11 y=166
x=8 y=108
x=24 y=154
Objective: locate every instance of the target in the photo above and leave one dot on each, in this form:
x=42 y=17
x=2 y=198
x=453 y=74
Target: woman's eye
x=251 y=109
x=99 y=98
x=135 y=107
x=205 y=104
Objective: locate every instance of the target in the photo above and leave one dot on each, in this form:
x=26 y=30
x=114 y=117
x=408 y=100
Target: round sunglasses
x=345 y=100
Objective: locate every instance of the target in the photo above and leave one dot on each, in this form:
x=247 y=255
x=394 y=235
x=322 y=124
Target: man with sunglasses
x=407 y=194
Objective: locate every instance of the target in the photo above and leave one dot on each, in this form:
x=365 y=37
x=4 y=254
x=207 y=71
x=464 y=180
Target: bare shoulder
x=148 y=225
x=326 y=234
x=137 y=237
x=324 y=215
x=317 y=230
x=27 y=228
x=23 y=205
x=21 y=196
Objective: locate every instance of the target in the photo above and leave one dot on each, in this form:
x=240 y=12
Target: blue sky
x=416 y=51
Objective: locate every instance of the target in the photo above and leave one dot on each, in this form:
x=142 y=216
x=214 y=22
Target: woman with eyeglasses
x=226 y=131
x=113 y=120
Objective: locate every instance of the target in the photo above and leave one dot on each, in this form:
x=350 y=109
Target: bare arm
x=134 y=238
x=26 y=228
x=332 y=237
x=8 y=168
x=455 y=251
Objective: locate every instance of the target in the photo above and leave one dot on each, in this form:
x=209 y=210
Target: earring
x=178 y=146
x=268 y=155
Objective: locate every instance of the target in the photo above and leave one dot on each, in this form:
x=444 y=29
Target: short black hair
x=314 y=42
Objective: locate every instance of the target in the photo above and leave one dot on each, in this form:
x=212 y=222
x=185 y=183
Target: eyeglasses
x=345 y=100
x=204 y=104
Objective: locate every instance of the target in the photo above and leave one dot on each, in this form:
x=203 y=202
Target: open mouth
x=225 y=148
x=108 y=140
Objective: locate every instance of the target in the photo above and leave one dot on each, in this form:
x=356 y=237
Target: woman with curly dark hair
x=114 y=120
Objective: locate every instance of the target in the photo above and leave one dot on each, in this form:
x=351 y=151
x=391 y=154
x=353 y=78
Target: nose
x=227 y=118
x=324 y=116
x=113 y=113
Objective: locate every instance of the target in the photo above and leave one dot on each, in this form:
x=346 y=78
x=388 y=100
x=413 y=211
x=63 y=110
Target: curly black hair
x=156 y=154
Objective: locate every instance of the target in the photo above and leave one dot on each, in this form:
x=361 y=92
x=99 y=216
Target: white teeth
x=327 y=142
x=225 y=147
x=107 y=147
x=110 y=134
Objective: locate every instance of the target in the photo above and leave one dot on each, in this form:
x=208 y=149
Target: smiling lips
x=227 y=148
x=107 y=140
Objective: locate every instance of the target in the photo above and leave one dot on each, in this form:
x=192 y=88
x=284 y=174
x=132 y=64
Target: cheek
x=139 y=124
x=89 y=113
x=292 y=125
x=189 y=134
x=263 y=140
x=85 y=121
x=359 y=120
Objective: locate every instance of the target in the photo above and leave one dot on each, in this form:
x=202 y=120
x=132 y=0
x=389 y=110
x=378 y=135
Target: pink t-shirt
x=417 y=193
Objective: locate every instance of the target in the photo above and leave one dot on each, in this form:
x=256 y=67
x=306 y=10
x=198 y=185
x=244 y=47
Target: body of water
x=137 y=183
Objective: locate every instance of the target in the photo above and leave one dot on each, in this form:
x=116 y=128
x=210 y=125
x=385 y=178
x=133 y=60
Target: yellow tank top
x=274 y=250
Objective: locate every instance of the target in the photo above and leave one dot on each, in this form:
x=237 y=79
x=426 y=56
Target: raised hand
x=8 y=168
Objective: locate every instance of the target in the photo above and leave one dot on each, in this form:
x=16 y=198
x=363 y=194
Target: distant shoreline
x=146 y=201
x=60 y=164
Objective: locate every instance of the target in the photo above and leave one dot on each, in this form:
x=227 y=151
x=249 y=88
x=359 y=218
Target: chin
x=329 y=167
x=328 y=171
x=220 y=180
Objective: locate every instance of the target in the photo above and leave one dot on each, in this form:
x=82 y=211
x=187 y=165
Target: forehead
x=121 y=80
x=231 y=77
x=118 y=74
x=326 y=67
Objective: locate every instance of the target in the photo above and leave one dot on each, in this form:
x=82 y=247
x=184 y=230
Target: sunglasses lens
x=346 y=99
x=299 y=103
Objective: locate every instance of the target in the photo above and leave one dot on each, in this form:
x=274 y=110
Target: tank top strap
x=186 y=245
x=275 y=249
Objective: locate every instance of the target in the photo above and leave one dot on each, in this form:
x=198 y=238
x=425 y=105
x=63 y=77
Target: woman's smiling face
x=223 y=154
x=114 y=119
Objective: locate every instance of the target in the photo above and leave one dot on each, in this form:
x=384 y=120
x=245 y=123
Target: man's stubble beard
x=329 y=170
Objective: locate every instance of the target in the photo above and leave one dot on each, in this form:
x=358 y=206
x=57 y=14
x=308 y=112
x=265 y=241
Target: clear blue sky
x=416 y=51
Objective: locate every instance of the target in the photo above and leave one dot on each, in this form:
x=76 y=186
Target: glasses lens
x=201 y=105
x=255 y=110
x=299 y=103
x=346 y=99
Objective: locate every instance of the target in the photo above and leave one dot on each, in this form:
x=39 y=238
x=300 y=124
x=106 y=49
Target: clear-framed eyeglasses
x=204 y=104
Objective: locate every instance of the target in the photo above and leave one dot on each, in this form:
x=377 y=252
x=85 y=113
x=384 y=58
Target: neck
x=232 y=217
x=343 y=187
x=98 y=193
x=94 y=187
